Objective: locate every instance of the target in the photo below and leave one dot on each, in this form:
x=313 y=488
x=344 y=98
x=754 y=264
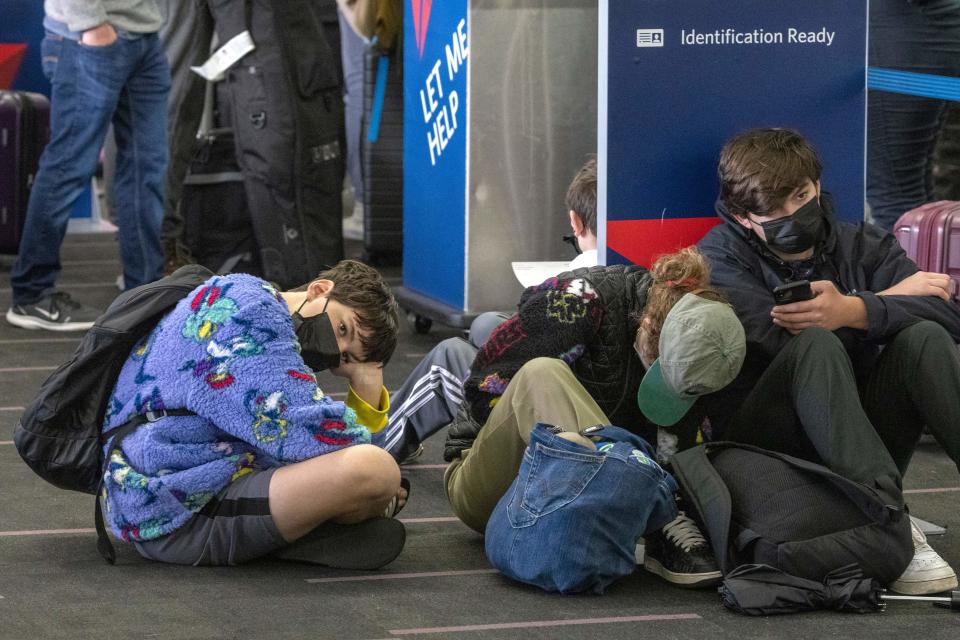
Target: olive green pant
x=544 y=390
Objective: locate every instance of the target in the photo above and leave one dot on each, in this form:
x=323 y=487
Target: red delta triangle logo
x=421 y=18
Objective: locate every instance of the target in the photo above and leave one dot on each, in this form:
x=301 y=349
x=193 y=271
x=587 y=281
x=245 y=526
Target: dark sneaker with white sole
x=680 y=554
x=53 y=312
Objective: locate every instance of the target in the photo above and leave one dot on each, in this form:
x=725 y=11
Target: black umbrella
x=759 y=590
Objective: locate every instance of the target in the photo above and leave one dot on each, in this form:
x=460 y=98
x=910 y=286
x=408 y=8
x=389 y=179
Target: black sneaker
x=54 y=312
x=365 y=546
x=680 y=554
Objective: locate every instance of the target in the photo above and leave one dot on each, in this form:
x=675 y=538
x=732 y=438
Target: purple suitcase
x=930 y=234
x=24 y=132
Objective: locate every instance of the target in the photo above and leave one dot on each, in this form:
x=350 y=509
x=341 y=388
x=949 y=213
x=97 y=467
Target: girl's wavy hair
x=674 y=276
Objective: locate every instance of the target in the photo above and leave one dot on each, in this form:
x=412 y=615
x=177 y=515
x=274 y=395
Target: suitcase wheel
x=420 y=324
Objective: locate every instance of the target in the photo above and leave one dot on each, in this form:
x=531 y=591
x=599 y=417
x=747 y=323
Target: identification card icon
x=649 y=37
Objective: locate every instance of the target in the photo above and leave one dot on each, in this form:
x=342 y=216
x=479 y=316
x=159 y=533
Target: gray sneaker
x=53 y=312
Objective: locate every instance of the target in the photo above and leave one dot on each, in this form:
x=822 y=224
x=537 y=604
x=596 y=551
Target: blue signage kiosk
x=435 y=147
x=500 y=110
x=679 y=77
x=503 y=102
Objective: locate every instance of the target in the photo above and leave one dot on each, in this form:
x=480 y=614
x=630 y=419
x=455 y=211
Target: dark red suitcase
x=930 y=235
x=24 y=132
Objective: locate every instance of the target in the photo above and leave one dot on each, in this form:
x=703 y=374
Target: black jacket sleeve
x=741 y=281
x=887 y=315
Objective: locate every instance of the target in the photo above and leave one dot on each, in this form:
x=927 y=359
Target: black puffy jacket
x=607 y=364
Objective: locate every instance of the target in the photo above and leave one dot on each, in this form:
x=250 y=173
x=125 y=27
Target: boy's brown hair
x=582 y=195
x=760 y=168
x=363 y=289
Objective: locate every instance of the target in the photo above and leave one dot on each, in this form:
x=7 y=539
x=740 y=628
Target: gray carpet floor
x=53 y=584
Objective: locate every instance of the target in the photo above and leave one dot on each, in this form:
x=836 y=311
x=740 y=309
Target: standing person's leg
x=186 y=36
x=807 y=404
x=544 y=390
x=140 y=126
x=428 y=399
x=352 y=51
x=916 y=382
x=85 y=87
x=902 y=131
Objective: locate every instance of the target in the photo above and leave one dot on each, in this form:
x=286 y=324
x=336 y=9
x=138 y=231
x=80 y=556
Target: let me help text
x=440 y=107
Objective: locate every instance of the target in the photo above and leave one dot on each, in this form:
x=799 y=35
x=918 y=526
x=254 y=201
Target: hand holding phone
x=793 y=292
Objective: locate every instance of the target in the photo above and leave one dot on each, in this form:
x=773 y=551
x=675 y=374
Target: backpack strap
x=764 y=551
x=704 y=487
x=118 y=434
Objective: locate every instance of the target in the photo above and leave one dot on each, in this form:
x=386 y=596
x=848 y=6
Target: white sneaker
x=927 y=572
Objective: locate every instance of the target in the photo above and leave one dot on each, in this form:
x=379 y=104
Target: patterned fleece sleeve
x=556 y=319
x=251 y=381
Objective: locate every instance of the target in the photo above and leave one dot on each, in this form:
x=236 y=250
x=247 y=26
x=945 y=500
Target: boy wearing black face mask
x=816 y=383
x=247 y=456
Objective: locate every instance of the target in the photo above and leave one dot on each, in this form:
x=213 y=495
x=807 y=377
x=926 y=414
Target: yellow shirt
x=372 y=418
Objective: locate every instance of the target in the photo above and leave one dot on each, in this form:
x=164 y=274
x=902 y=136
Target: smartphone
x=793 y=292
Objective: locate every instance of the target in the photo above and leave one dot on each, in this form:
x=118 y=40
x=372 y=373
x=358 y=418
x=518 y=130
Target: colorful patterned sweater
x=227 y=352
x=586 y=318
x=557 y=319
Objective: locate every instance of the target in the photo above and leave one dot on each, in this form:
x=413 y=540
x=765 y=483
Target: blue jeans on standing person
x=353 y=50
x=125 y=83
x=922 y=36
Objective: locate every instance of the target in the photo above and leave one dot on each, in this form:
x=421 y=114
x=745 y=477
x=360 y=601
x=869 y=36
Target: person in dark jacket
x=574 y=356
x=849 y=377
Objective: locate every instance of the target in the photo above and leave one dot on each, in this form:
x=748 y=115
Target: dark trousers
x=808 y=404
x=186 y=34
x=923 y=37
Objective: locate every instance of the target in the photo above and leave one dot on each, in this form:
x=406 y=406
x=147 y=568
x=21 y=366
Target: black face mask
x=798 y=232
x=318 y=340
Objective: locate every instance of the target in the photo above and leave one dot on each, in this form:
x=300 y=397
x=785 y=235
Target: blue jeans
x=571 y=519
x=125 y=83
x=902 y=130
x=352 y=54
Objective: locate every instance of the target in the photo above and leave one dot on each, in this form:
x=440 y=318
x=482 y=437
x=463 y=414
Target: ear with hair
x=576 y=223
x=743 y=220
x=319 y=287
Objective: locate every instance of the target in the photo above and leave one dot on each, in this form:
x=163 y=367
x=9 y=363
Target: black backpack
x=58 y=435
x=763 y=507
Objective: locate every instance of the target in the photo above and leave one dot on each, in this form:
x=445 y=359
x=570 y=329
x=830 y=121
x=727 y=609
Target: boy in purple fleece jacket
x=268 y=457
